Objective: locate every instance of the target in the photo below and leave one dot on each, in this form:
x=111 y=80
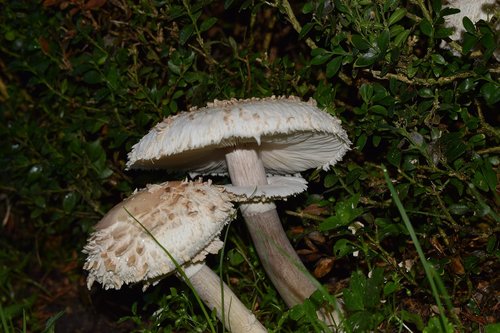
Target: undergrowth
x=409 y=246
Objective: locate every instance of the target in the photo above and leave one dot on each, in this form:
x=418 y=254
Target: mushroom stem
x=279 y=259
x=277 y=255
x=237 y=318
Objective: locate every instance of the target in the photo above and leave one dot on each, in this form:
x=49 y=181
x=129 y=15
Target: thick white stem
x=236 y=316
x=277 y=255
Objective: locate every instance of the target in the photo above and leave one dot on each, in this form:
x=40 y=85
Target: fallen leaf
x=456 y=266
x=323 y=267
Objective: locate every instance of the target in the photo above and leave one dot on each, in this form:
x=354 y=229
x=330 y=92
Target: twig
x=419 y=81
x=7 y=209
x=285 y=5
x=494 y=150
x=487 y=127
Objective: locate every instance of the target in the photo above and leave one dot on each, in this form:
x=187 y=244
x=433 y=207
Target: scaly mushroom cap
x=186 y=218
x=475 y=10
x=289 y=134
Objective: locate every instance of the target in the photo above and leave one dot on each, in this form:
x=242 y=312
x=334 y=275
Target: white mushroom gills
x=186 y=218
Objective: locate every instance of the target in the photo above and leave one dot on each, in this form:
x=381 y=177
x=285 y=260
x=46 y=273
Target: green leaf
x=491 y=93
x=235 y=257
x=436 y=6
x=305 y=29
x=438 y=59
x=207 y=24
x=333 y=66
x=353 y=296
x=186 y=33
x=458 y=209
x=330 y=223
x=361 y=142
x=174 y=68
x=367 y=59
x=435 y=326
x=379 y=109
x=383 y=41
x=488 y=41
x=396 y=16
x=69 y=201
x=394 y=156
x=489 y=175
x=330 y=180
x=453 y=145
x=467 y=85
x=468 y=42
x=345 y=212
x=95 y=151
x=360 y=43
x=321 y=59
x=492 y=328
x=413 y=318
x=443 y=32
x=426 y=93
x=426 y=27
x=401 y=37
x=366 y=92
x=308 y=7
x=391 y=287
x=343 y=247
x=449 y=11
x=92 y=77
x=468 y=25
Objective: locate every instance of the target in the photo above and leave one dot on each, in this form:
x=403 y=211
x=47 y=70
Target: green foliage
x=80 y=82
x=362 y=301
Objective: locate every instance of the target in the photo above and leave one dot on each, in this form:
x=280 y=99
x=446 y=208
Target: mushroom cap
x=290 y=135
x=186 y=218
x=277 y=187
x=475 y=10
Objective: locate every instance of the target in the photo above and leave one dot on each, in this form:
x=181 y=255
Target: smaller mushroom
x=186 y=218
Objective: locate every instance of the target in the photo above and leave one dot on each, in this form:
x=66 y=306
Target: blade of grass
x=3 y=319
x=221 y=262
x=180 y=271
x=430 y=272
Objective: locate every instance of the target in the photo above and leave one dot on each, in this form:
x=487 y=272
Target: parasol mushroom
x=186 y=218
x=247 y=139
x=475 y=10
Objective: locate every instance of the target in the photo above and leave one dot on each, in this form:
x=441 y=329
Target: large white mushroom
x=247 y=139
x=186 y=218
x=475 y=10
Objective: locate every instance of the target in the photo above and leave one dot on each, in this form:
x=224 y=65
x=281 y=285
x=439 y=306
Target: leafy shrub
x=80 y=82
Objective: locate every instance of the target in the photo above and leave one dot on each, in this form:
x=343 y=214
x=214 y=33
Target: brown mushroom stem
x=237 y=318
x=277 y=255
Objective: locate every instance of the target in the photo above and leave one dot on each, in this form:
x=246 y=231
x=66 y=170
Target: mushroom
x=186 y=218
x=475 y=10
x=247 y=139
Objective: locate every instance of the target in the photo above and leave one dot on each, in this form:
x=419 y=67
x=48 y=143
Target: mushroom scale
x=185 y=217
x=290 y=135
